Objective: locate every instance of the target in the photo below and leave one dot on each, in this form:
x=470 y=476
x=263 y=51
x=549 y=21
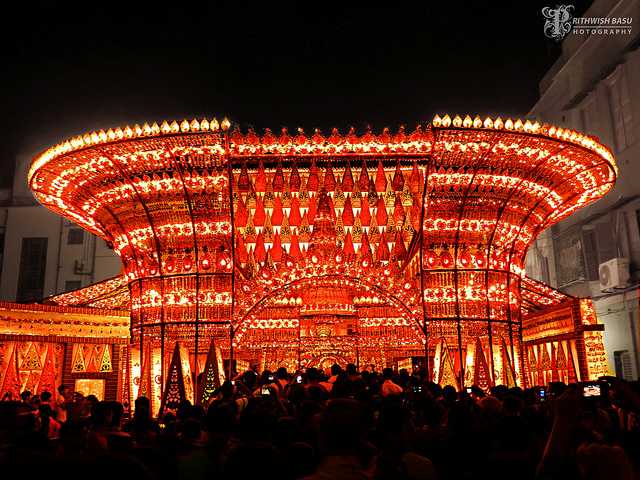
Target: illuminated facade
x=304 y=250
x=44 y=346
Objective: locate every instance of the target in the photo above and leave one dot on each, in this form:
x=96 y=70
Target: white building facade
x=594 y=87
x=43 y=254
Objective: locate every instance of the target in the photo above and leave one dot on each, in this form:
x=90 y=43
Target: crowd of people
x=344 y=424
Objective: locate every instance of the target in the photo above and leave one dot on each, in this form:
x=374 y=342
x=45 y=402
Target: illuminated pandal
x=224 y=234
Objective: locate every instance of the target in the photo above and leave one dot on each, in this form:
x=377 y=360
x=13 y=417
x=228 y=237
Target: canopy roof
x=113 y=294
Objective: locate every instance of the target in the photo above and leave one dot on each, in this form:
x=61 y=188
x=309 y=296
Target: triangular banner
x=509 y=374
x=211 y=378
x=48 y=377
x=561 y=363
x=482 y=377
x=78 y=364
x=105 y=361
x=145 y=374
x=31 y=360
x=448 y=376
x=11 y=382
x=174 y=392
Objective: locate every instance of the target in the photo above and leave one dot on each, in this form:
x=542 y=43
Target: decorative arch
x=406 y=305
x=383 y=276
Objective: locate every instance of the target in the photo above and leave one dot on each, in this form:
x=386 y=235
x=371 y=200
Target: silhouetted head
x=313 y=375
x=250 y=378
x=143 y=407
x=102 y=414
x=267 y=377
x=449 y=393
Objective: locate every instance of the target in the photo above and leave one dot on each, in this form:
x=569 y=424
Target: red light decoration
x=220 y=231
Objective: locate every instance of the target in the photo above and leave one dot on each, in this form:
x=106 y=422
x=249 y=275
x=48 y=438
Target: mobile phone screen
x=591 y=390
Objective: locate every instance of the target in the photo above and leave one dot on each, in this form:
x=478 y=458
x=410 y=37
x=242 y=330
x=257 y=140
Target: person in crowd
x=314 y=379
x=62 y=400
x=335 y=371
x=142 y=426
x=391 y=426
x=49 y=427
x=388 y=386
x=352 y=372
x=47 y=399
x=282 y=377
x=25 y=397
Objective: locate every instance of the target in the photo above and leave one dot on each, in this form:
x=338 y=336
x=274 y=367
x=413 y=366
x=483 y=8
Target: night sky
x=72 y=69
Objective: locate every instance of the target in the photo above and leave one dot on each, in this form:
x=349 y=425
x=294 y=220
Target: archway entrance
x=322 y=320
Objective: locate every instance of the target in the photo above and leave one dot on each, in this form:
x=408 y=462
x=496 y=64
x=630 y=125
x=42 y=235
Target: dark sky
x=71 y=69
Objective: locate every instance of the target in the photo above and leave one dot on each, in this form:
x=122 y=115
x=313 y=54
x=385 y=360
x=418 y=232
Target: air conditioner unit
x=614 y=273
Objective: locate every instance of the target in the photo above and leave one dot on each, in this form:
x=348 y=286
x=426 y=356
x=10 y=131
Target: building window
x=622 y=363
x=75 y=236
x=591 y=254
x=569 y=258
x=621 y=110
x=33 y=259
x=72 y=285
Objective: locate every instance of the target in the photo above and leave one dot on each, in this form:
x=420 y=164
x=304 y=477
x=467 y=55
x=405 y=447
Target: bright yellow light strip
x=196 y=126
x=125 y=133
x=527 y=126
